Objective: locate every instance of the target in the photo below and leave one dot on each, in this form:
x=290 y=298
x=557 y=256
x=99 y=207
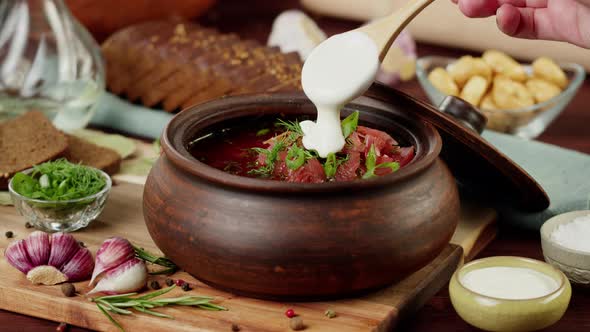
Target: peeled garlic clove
x=16 y=255
x=46 y=275
x=80 y=266
x=63 y=247
x=38 y=248
x=125 y=278
x=112 y=253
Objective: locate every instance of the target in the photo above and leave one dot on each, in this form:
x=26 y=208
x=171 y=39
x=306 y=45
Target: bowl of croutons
x=519 y=99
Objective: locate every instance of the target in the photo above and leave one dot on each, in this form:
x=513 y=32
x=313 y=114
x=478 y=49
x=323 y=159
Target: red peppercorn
x=290 y=313
x=179 y=282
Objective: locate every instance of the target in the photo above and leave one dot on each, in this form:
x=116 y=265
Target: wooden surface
x=123 y=216
x=570 y=130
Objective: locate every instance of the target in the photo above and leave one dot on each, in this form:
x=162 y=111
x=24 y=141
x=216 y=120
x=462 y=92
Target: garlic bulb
x=50 y=259
x=125 y=278
x=112 y=253
x=293 y=31
x=400 y=62
x=117 y=268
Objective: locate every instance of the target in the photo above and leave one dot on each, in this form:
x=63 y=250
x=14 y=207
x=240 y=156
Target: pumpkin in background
x=103 y=17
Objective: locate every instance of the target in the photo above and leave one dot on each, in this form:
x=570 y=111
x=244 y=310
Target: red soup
x=271 y=149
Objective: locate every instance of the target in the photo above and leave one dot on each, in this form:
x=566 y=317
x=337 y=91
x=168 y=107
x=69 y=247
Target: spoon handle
x=385 y=30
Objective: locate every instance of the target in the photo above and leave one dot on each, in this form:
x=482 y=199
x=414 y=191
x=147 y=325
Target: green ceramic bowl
x=495 y=314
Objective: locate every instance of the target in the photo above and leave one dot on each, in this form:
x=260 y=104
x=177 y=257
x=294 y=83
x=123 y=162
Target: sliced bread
x=89 y=154
x=26 y=141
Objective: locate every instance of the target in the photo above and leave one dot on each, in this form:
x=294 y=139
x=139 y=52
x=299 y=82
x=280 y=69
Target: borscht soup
x=271 y=148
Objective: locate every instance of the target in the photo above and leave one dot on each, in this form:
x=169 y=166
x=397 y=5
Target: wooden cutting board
x=122 y=216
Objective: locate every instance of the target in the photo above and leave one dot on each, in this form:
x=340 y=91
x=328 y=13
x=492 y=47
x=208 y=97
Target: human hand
x=562 y=20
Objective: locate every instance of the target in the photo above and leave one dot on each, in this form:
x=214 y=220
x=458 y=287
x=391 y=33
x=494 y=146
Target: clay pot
x=272 y=239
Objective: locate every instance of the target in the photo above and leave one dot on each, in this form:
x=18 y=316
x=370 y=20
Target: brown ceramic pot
x=274 y=239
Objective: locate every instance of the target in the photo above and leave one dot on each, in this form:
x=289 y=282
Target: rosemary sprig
x=117 y=303
x=151 y=258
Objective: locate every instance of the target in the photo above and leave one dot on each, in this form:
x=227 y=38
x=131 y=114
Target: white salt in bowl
x=574 y=263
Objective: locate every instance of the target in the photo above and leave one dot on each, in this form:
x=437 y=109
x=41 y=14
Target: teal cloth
x=564 y=174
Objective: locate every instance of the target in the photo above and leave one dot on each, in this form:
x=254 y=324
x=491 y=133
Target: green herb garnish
x=350 y=123
x=121 y=303
x=371 y=164
x=292 y=126
x=271 y=157
x=295 y=157
x=58 y=180
x=262 y=132
x=151 y=258
x=330 y=166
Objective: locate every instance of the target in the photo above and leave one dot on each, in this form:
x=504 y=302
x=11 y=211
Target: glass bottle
x=48 y=62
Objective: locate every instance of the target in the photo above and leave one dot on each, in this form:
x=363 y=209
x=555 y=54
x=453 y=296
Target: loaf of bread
x=175 y=65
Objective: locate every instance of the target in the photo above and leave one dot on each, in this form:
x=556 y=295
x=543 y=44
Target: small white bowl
x=574 y=263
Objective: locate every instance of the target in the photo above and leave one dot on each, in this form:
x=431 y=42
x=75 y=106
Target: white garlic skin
x=128 y=277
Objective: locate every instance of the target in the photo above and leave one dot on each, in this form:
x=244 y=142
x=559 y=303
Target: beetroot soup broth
x=271 y=148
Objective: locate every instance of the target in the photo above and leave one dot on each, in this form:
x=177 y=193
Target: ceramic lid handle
x=464 y=113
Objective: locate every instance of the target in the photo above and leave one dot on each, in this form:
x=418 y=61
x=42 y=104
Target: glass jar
x=48 y=62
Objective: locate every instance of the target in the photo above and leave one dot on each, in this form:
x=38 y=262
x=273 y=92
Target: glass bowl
x=574 y=263
x=61 y=216
x=527 y=122
x=500 y=314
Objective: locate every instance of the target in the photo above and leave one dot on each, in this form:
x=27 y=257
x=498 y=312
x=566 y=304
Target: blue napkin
x=564 y=174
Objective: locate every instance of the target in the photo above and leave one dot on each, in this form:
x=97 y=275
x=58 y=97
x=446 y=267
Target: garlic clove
x=46 y=275
x=16 y=254
x=80 y=266
x=125 y=278
x=38 y=248
x=63 y=247
x=112 y=253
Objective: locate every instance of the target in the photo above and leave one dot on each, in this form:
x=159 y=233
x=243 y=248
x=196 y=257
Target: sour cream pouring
x=338 y=70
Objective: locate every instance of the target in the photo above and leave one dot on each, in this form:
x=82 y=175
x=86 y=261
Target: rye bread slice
x=28 y=140
x=89 y=154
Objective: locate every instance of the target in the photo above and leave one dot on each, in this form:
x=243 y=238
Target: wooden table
x=570 y=130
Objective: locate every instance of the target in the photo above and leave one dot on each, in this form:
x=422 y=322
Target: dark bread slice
x=28 y=140
x=89 y=154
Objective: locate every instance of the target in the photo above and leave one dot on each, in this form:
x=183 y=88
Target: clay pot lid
x=478 y=166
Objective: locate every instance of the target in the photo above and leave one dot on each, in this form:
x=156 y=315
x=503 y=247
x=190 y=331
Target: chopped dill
x=58 y=180
x=292 y=126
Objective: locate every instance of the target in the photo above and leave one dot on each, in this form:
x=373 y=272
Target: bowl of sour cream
x=566 y=245
x=509 y=294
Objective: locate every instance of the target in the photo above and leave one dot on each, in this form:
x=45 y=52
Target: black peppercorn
x=155 y=285
x=235 y=328
x=82 y=244
x=169 y=282
x=186 y=287
x=28 y=225
x=296 y=324
x=9 y=235
x=68 y=289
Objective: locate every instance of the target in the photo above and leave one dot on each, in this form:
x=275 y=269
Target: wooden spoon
x=385 y=30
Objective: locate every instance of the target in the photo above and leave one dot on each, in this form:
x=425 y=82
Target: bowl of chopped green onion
x=59 y=196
